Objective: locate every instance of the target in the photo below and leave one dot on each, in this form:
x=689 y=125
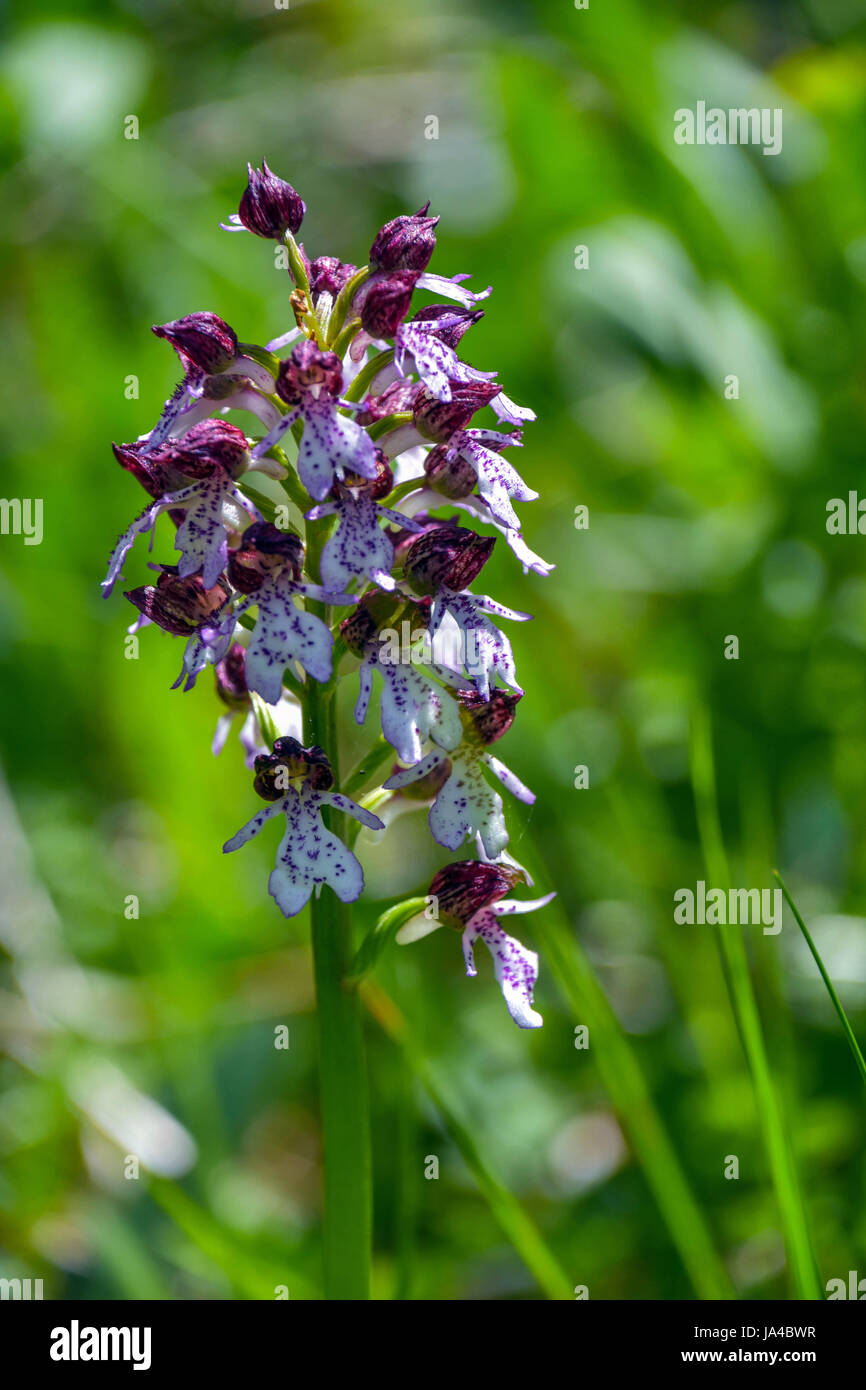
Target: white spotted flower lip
x=466 y=805
x=359 y=550
x=311 y=551
x=470 y=896
x=296 y=782
x=266 y=568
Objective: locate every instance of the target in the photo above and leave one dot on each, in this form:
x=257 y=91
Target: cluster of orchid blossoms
x=366 y=416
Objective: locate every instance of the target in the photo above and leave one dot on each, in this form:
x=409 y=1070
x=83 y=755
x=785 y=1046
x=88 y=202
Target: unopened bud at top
x=270 y=207
x=405 y=243
x=204 y=340
x=438 y=420
x=446 y=557
x=385 y=302
x=306 y=366
x=289 y=762
x=462 y=889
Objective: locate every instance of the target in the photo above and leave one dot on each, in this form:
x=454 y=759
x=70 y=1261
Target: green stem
x=345 y=336
x=343 y=303
x=342 y=1062
x=358 y=388
x=801 y=1260
x=342 y=1067
x=837 y=1003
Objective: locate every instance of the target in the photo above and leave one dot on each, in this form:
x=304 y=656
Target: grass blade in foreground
x=837 y=1003
x=625 y=1083
x=801 y=1260
x=515 y=1223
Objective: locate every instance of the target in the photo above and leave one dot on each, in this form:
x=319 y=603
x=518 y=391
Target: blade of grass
x=625 y=1083
x=516 y=1224
x=783 y=1167
x=837 y=1003
x=256 y=1275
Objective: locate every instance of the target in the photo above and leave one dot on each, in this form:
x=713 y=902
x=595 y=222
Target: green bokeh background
x=706 y=520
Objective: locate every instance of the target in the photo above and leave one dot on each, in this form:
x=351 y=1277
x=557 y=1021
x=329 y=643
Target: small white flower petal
x=516 y=968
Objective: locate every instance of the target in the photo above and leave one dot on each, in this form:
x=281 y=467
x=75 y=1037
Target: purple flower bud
x=178 y=606
x=396 y=399
x=328 y=275
x=308 y=365
x=375 y=488
x=405 y=243
x=231 y=682
x=438 y=420
x=155 y=476
x=208 y=446
x=450 y=320
x=464 y=888
x=492 y=718
x=386 y=302
x=447 y=556
x=453 y=476
x=289 y=761
x=270 y=207
x=204 y=340
x=263 y=548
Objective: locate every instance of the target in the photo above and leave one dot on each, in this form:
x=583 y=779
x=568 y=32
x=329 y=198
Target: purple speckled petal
x=275 y=435
x=413 y=708
x=251 y=829
x=408 y=775
x=436 y=363
x=309 y=855
x=506 y=409
x=509 y=907
x=283 y=634
x=180 y=400
x=452 y=289
x=486 y=651
x=467 y=805
x=509 y=781
x=359 y=546
x=140 y=527
x=351 y=808
x=485 y=604
x=363 y=702
x=207 y=647
x=201 y=538
x=516 y=968
x=332 y=443
x=498 y=481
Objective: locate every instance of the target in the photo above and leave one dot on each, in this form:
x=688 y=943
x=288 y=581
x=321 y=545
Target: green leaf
x=381 y=935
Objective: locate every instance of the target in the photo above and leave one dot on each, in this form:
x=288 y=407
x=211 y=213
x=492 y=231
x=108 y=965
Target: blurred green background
x=155 y=1036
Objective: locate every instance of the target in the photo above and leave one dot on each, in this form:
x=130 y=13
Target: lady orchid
x=350 y=432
